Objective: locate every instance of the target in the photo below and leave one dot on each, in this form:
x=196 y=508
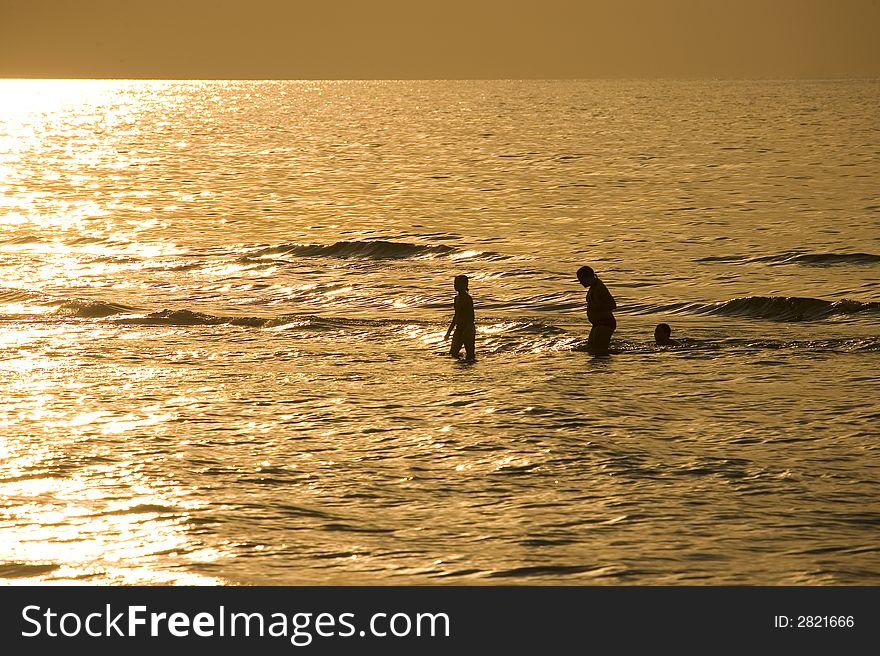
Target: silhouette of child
x=663 y=335
x=600 y=304
x=462 y=321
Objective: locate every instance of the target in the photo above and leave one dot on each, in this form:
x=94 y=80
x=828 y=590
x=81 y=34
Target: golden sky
x=314 y=39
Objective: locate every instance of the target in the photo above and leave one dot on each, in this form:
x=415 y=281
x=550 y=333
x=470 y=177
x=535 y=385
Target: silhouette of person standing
x=462 y=321
x=600 y=306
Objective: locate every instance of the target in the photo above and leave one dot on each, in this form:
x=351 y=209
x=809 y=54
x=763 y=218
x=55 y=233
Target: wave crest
x=374 y=250
x=784 y=308
x=773 y=308
x=92 y=309
x=20 y=241
x=819 y=259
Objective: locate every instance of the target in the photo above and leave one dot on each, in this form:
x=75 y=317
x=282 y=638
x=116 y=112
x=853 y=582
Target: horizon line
x=679 y=78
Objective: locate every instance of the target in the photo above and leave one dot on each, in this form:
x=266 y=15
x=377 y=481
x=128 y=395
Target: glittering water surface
x=222 y=308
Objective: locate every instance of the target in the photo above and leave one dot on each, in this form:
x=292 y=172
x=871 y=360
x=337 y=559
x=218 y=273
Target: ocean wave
x=703 y=347
x=121 y=314
x=77 y=241
x=70 y=307
x=721 y=258
x=493 y=335
x=786 y=308
x=310 y=322
x=17 y=241
x=9 y=295
x=20 y=570
x=374 y=250
x=89 y=240
x=773 y=308
x=741 y=344
x=192 y=318
x=114 y=259
x=81 y=309
x=862 y=344
x=818 y=259
x=499 y=331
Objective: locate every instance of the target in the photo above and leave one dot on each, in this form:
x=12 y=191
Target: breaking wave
x=772 y=308
x=786 y=308
x=374 y=250
x=92 y=309
x=819 y=259
x=20 y=241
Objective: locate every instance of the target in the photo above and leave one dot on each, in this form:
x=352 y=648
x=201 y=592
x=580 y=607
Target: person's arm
x=454 y=317
x=451 y=326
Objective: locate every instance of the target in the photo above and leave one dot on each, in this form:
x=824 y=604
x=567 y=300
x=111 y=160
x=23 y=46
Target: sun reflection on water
x=120 y=532
x=75 y=506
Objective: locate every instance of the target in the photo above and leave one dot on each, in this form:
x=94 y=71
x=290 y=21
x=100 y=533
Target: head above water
x=586 y=276
x=662 y=333
x=460 y=283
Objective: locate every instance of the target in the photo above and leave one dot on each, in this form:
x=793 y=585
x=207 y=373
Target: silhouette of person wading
x=600 y=306
x=462 y=321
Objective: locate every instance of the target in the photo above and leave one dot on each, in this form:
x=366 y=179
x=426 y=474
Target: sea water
x=222 y=310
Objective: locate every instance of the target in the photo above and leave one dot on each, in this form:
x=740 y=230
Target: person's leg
x=600 y=338
x=470 y=347
x=591 y=338
x=457 y=342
